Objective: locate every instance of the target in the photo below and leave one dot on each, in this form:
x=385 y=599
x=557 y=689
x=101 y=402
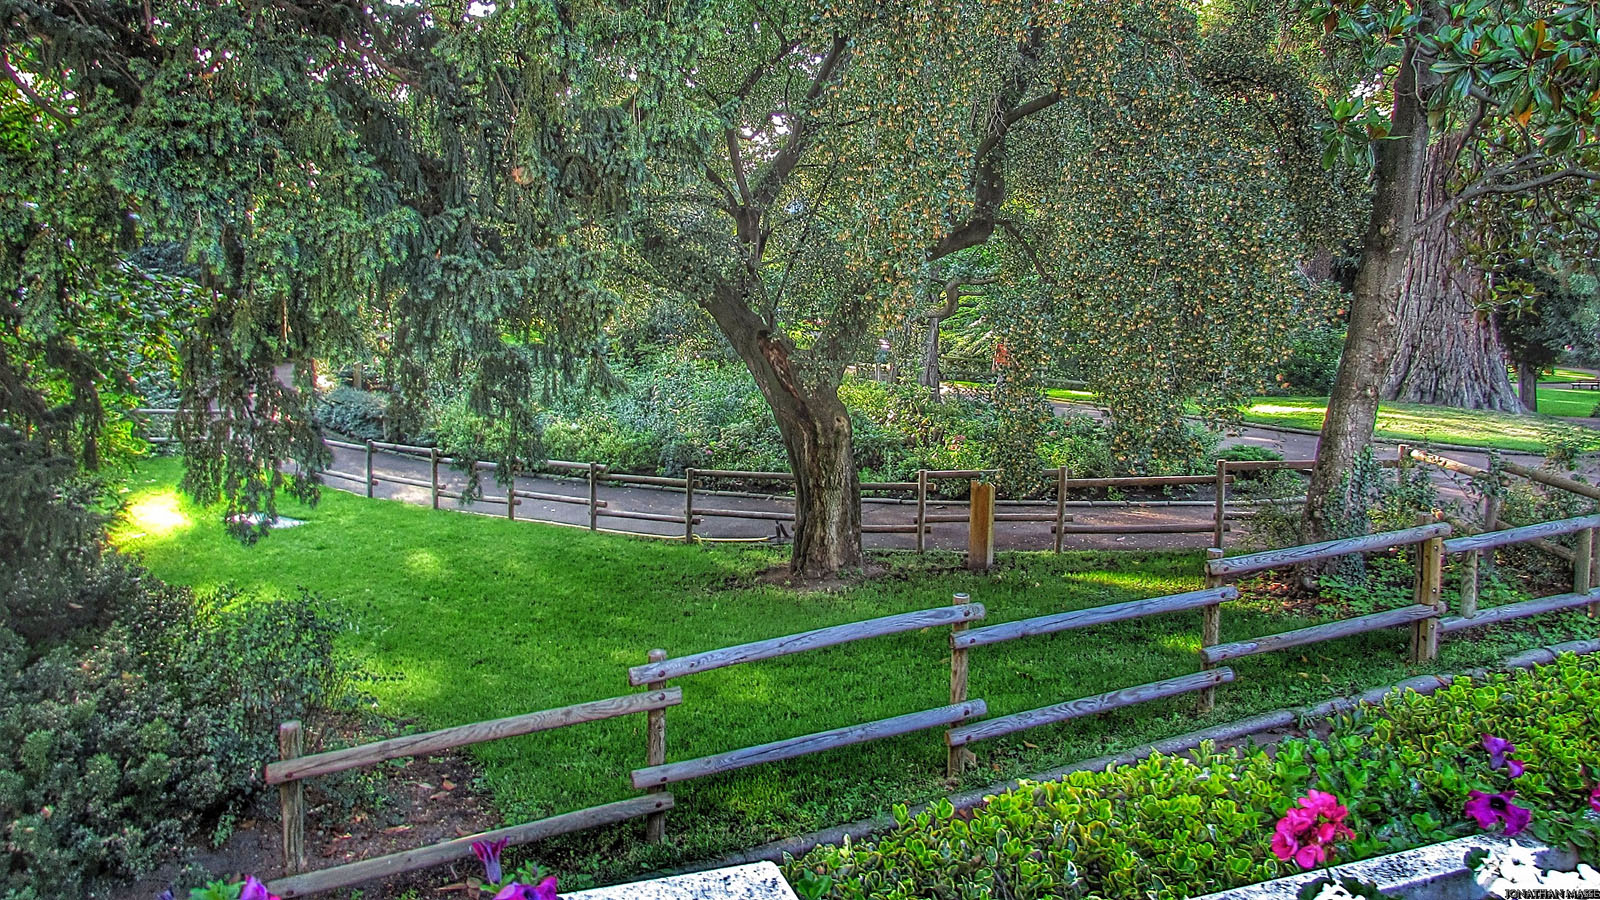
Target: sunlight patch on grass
x=154 y=514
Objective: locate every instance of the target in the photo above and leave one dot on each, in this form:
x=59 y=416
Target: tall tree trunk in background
x=1528 y=385
x=1369 y=342
x=816 y=431
x=1447 y=352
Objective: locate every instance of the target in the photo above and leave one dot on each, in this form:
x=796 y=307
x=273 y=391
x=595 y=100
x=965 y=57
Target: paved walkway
x=943 y=536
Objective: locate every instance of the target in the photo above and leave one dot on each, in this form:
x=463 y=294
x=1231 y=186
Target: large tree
x=1516 y=84
x=491 y=184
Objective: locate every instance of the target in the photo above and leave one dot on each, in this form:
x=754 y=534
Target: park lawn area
x=1419 y=422
x=461 y=618
x=1568 y=402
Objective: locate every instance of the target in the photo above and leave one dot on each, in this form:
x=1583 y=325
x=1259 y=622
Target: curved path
x=943 y=536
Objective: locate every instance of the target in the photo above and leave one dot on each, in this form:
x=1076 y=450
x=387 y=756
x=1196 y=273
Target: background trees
x=487 y=190
x=1515 y=85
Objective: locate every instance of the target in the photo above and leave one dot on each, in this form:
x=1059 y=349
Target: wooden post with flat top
x=958 y=756
x=292 y=801
x=1430 y=577
x=1210 y=630
x=980 y=528
x=1061 y=506
x=655 y=825
x=1220 y=515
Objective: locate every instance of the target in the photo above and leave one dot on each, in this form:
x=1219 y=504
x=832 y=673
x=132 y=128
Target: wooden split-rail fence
x=965 y=720
x=700 y=486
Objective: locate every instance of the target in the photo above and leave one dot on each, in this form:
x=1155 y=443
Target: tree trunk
x=930 y=376
x=1528 y=385
x=1369 y=342
x=816 y=433
x=1448 y=353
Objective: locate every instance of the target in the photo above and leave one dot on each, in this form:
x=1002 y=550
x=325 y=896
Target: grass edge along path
x=466 y=618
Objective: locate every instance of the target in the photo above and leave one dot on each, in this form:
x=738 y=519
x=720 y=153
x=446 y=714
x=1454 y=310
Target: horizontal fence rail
x=1513 y=611
x=1087 y=706
x=1085 y=618
x=1317 y=633
x=1491 y=539
x=365 y=870
x=432 y=742
x=806 y=640
x=1234 y=566
x=656 y=776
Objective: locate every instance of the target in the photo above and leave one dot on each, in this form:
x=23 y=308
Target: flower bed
x=1415 y=771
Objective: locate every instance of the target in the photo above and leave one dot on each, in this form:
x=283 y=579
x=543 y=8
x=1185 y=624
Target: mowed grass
x=462 y=618
x=1577 y=402
x=1419 y=422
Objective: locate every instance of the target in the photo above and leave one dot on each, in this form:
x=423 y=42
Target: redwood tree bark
x=1369 y=342
x=1448 y=352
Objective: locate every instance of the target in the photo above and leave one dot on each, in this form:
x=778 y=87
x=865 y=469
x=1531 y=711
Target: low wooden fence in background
x=697 y=485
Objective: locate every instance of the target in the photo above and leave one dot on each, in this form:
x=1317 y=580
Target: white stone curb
x=760 y=881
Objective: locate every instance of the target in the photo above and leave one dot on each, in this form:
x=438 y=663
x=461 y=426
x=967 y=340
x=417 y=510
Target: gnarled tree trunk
x=1369 y=342
x=1447 y=352
x=816 y=434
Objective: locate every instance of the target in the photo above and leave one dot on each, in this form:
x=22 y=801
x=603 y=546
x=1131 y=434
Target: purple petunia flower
x=544 y=890
x=488 y=853
x=1594 y=799
x=1489 y=809
x=1500 y=751
x=165 y=895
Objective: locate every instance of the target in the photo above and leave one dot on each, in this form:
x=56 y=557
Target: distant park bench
x=1586 y=385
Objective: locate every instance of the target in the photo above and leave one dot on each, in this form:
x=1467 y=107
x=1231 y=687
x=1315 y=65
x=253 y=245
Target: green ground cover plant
x=461 y=618
x=1177 y=826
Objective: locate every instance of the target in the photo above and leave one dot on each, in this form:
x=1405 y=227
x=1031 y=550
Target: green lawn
x=1417 y=422
x=1568 y=402
x=461 y=618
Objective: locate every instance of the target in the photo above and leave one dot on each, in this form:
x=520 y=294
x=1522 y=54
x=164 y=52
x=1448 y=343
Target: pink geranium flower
x=1309 y=828
x=1491 y=809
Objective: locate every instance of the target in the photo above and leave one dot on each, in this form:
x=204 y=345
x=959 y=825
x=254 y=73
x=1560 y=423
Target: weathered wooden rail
x=962 y=641
x=292 y=769
x=660 y=669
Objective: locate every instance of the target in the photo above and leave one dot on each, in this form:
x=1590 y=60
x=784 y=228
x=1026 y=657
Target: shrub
x=118 y=749
x=358 y=414
x=1312 y=364
x=1179 y=826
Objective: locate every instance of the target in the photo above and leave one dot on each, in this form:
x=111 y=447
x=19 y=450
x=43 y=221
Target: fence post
x=1469 y=584
x=958 y=756
x=1210 y=629
x=1222 y=503
x=1430 y=576
x=1581 y=561
x=688 y=506
x=922 y=508
x=369 y=470
x=980 y=527
x=1061 y=506
x=1594 y=537
x=511 y=497
x=594 y=496
x=292 y=801
x=655 y=825
x=433 y=468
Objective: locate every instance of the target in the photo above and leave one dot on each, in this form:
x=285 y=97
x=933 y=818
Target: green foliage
x=116 y=751
x=1181 y=826
x=1312 y=363
x=357 y=414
